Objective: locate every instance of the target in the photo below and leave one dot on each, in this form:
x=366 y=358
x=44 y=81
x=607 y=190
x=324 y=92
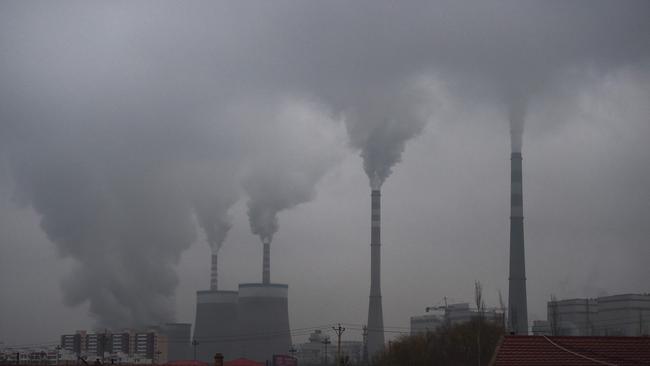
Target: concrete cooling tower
x=216 y=325
x=263 y=318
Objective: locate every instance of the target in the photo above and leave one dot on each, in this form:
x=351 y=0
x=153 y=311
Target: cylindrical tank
x=263 y=318
x=215 y=327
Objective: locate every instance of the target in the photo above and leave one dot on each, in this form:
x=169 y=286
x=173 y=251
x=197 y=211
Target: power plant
x=375 y=313
x=517 y=303
x=252 y=322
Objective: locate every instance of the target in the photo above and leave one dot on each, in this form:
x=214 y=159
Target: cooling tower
x=517 y=303
x=375 y=314
x=215 y=327
x=263 y=318
x=178 y=340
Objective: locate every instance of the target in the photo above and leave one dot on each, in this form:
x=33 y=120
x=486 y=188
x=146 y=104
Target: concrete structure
x=144 y=346
x=71 y=343
x=623 y=315
x=517 y=301
x=375 y=312
x=451 y=314
x=572 y=317
x=178 y=340
x=541 y=328
x=263 y=321
x=617 y=315
x=313 y=352
x=216 y=327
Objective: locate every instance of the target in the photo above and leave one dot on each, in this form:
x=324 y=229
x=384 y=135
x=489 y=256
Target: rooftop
x=569 y=351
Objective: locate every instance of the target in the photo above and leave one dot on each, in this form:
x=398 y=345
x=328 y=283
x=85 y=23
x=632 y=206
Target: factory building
x=572 y=317
x=617 y=315
x=623 y=315
x=451 y=314
x=541 y=328
x=320 y=350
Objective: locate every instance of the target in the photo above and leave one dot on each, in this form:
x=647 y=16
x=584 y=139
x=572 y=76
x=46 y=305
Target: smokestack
x=375 y=313
x=517 y=302
x=266 y=262
x=213 y=273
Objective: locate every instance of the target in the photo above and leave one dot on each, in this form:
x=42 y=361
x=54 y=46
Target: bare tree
x=502 y=306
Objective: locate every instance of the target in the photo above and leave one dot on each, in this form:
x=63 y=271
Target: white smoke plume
x=120 y=120
x=298 y=144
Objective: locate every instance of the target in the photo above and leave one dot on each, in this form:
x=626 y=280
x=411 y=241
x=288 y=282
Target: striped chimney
x=266 y=261
x=213 y=273
x=375 y=340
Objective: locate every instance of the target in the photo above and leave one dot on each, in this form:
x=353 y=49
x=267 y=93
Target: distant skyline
x=118 y=120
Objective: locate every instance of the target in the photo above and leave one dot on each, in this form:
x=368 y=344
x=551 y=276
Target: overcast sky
x=135 y=137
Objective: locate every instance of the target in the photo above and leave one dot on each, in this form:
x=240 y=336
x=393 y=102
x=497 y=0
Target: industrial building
x=451 y=314
x=572 y=317
x=251 y=323
x=320 y=350
x=617 y=315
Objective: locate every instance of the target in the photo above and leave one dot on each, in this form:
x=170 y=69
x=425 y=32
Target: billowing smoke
x=212 y=203
x=517 y=116
x=123 y=121
x=298 y=144
x=380 y=125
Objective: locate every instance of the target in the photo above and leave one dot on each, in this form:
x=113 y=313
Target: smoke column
x=213 y=217
x=298 y=144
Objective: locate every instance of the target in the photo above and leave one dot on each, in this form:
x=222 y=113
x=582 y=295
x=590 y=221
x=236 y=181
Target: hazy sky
x=132 y=134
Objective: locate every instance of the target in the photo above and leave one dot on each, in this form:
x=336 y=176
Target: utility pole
x=58 y=354
x=194 y=344
x=326 y=341
x=365 y=345
x=339 y=331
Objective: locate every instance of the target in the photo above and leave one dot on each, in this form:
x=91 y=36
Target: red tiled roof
x=243 y=362
x=570 y=351
x=186 y=363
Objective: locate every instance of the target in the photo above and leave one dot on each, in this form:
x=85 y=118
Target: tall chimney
x=375 y=313
x=266 y=262
x=213 y=273
x=517 y=303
